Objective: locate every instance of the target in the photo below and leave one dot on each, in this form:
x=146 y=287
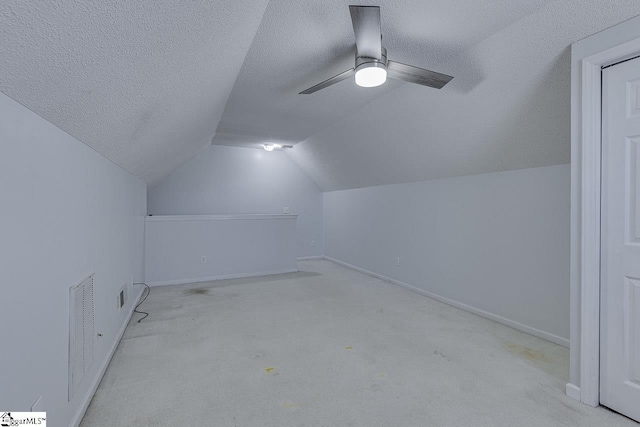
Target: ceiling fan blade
x=411 y=74
x=366 y=26
x=333 y=80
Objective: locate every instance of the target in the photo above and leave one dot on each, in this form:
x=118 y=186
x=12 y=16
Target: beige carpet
x=329 y=347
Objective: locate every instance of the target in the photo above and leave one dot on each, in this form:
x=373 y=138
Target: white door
x=620 y=251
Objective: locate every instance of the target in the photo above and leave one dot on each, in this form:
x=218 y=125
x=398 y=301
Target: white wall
x=496 y=242
x=233 y=246
x=232 y=180
x=66 y=212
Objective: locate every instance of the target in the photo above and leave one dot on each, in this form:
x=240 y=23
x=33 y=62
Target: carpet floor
x=329 y=346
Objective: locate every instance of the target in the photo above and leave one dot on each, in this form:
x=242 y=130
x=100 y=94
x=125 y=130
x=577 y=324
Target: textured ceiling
x=148 y=83
x=507 y=108
x=143 y=83
x=300 y=43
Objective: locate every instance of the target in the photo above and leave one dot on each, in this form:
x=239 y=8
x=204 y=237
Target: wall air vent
x=81 y=331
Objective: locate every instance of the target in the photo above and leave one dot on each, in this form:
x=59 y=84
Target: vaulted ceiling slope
x=303 y=42
x=507 y=108
x=147 y=84
x=142 y=82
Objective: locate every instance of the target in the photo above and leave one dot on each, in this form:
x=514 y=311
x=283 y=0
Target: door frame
x=588 y=57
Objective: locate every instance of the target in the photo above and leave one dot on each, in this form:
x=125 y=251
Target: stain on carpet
x=528 y=354
x=287 y=404
x=441 y=354
x=197 y=291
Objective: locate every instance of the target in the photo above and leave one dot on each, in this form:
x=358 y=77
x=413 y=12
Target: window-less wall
x=230 y=180
x=199 y=248
x=496 y=244
x=65 y=212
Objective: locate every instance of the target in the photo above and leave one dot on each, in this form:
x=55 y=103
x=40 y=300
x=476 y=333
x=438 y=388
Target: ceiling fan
x=372 y=66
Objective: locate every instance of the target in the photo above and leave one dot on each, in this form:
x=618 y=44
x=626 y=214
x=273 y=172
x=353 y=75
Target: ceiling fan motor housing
x=365 y=62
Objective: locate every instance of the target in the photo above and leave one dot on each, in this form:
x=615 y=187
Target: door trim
x=587 y=118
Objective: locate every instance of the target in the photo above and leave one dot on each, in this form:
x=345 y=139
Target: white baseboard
x=221 y=277
x=573 y=391
x=75 y=422
x=511 y=323
x=310 y=258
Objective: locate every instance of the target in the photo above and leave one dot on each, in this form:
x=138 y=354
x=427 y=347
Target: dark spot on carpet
x=197 y=291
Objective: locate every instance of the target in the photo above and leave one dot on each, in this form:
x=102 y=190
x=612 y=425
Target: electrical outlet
x=203 y=259
x=285 y=210
x=313 y=243
x=397 y=260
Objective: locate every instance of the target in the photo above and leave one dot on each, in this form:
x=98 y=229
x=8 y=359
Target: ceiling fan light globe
x=371 y=75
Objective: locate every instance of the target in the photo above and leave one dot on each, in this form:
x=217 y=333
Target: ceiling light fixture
x=271 y=147
x=371 y=74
